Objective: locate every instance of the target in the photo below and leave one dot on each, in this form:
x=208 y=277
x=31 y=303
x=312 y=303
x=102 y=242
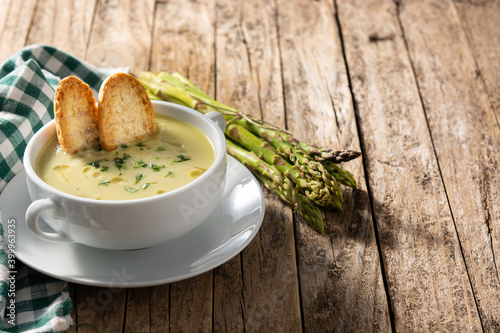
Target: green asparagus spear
x=302 y=174
x=279 y=184
x=282 y=186
x=326 y=194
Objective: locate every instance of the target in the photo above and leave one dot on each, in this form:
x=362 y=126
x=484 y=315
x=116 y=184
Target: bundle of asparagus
x=303 y=175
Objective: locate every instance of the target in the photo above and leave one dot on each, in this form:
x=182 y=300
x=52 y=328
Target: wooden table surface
x=414 y=85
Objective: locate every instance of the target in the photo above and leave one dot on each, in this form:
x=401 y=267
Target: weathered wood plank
x=247 y=43
x=159 y=309
x=428 y=283
x=191 y=304
x=249 y=78
x=15 y=20
x=4 y=15
x=101 y=308
x=73 y=310
x=186 y=46
x=62 y=24
x=340 y=273
x=480 y=23
x=466 y=136
x=137 y=313
x=228 y=309
x=270 y=274
x=121 y=34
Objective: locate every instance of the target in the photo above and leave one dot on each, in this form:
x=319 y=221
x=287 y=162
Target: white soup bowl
x=127 y=224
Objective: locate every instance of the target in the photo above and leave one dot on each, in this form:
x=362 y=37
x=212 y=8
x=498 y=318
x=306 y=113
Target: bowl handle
x=32 y=216
x=218 y=119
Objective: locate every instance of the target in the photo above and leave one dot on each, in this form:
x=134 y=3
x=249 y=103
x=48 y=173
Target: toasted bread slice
x=125 y=111
x=76 y=115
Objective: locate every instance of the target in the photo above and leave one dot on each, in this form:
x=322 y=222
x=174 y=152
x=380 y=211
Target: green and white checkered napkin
x=27 y=84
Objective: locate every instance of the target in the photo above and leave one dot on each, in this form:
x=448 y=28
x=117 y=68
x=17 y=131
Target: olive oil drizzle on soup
x=177 y=154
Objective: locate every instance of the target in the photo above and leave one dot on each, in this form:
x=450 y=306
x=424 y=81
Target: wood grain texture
x=249 y=79
x=73 y=309
x=418 y=79
x=270 y=275
x=159 y=308
x=4 y=15
x=340 y=273
x=247 y=46
x=138 y=309
x=101 y=308
x=466 y=136
x=428 y=283
x=185 y=44
x=15 y=21
x=480 y=24
x=63 y=24
x=121 y=34
x=237 y=84
x=191 y=304
x=229 y=314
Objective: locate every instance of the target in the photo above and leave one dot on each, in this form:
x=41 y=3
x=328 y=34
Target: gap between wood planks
x=376 y=39
x=89 y=37
x=365 y=169
x=32 y=18
x=484 y=196
x=492 y=106
x=294 y=217
x=486 y=208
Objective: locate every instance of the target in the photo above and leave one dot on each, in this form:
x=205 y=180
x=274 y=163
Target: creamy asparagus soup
x=177 y=154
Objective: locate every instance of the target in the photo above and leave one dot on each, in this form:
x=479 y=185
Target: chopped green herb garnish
x=130 y=189
x=155 y=167
x=145 y=186
x=123 y=146
x=157 y=157
x=160 y=149
x=104 y=168
x=105 y=182
x=119 y=162
x=138 y=164
x=140 y=144
x=138 y=177
x=169 y=174
x=182 y=158
x=96 y=163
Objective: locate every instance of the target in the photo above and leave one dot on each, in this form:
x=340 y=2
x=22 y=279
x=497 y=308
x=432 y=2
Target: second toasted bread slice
x=76 y=116
x=125 y=111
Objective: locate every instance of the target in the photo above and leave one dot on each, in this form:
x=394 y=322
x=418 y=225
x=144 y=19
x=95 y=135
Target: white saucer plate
x=226 y=232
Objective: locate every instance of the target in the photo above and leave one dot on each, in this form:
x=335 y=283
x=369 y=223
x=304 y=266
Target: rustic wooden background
x=413 y=84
